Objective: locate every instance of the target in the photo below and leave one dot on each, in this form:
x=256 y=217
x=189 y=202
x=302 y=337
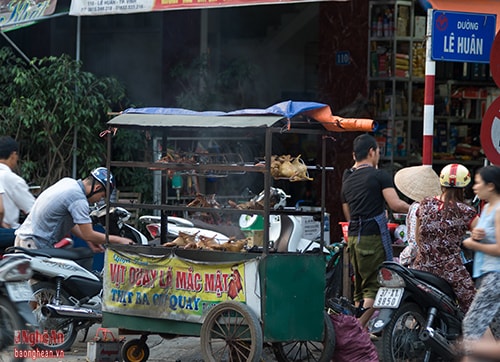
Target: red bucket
x=392 y=227
x=345 y=228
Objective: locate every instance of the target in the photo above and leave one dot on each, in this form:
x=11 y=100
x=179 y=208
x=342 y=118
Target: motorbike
x=419 y=316
x=17 y=322
x=286 y=232
x=191 y=227
x=118 y=217
x=66 y=293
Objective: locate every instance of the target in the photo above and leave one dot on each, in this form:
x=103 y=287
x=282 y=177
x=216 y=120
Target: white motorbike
x=179 y=224
x=66 y=293
x=16 y=320
x=287 y=233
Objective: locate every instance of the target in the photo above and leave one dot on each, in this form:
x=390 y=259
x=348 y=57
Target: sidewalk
x=180 y=349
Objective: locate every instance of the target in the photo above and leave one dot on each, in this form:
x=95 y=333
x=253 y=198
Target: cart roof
x=178 y=117
x=290 y=114
x=182 y=120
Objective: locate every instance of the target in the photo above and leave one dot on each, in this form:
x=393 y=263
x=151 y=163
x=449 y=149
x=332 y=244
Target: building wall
x=343 y=27
x=291 y=48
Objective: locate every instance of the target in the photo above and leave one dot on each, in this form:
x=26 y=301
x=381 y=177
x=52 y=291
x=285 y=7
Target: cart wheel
x=231 y=332
x=135 y=350
x=308 y=350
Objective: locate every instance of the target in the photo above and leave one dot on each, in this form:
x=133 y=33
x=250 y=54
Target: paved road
x=181 y=349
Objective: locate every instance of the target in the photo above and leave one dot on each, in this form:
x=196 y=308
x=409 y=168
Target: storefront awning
x=469 y=6
x=108 y=7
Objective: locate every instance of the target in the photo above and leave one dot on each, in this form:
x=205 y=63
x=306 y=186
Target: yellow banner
x=169 y=287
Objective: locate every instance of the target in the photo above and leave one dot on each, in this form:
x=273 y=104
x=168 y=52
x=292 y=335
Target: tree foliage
x=45 y=103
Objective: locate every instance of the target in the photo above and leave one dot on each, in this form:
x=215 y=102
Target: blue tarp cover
x=287 y=109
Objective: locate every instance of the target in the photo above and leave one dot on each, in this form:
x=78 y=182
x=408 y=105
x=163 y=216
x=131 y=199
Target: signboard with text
x=18 y=13
x=107 y=7
x=169 y=287
x=462 y=37
x=343 y=57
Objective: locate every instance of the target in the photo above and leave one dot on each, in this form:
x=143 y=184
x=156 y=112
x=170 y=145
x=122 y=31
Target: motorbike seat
x=434 y=280
x=80 y=255
x=430 y=278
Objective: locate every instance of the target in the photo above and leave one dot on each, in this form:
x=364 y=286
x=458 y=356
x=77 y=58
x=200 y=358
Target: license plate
x=388 y=297
x=19 y=291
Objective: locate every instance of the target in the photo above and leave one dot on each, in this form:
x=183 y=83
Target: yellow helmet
x=455 y=175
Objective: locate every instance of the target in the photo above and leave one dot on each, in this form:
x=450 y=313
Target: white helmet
x=455 y=175
x=277 y=198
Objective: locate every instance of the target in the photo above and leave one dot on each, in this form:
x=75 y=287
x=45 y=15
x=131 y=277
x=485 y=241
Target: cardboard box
x=402 y=27
x=312 y=228
x=420 y=26
x=100 y=351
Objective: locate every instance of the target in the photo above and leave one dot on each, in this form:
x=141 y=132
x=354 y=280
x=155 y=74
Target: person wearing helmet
x=442 y=222
x=63 y=208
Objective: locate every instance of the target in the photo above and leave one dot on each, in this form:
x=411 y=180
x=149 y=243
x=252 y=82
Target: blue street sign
x=342 y=57
x=462 y=37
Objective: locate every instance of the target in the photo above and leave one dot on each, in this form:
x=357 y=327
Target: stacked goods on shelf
x=380 y=61
x=403 y=20
x=418 y=60
x=402 y=65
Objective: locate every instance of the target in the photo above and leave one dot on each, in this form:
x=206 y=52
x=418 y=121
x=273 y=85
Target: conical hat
x=418 y=182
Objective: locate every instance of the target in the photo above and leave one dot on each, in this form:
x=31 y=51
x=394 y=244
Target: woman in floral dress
x=442 y=222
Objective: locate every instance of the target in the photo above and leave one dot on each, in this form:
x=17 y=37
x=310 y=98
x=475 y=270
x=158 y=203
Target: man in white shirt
x=17 y=196
x=1 y=205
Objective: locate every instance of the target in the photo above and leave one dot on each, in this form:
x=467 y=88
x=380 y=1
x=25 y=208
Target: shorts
x=366 y=255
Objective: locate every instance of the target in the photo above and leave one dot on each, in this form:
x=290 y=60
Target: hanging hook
x=107 y=131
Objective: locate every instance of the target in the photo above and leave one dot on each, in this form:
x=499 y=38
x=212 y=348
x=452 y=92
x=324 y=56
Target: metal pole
x=75 y=133
x=430 y=75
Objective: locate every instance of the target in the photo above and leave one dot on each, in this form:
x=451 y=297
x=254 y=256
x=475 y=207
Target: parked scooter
x=16 y=318
x=191 y=227
x=419 y=316
x=66 y=293
x=118 y=217
x=285 y=231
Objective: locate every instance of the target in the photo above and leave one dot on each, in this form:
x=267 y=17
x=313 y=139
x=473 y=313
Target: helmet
x=100 y=174
x=277 y=198
x=454 y=175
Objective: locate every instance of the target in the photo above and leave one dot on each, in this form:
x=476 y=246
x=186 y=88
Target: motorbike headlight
x=389 y=278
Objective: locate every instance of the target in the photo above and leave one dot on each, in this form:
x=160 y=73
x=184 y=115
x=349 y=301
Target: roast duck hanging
x=292 y=168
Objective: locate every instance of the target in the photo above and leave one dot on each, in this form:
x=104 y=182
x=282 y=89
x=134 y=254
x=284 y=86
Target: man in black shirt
x=365 y=191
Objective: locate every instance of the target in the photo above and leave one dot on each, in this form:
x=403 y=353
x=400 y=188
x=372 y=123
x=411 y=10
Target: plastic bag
x=352 y=342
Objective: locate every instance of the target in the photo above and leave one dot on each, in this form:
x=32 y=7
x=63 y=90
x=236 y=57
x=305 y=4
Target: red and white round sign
x=490 y=132
x=495 y=59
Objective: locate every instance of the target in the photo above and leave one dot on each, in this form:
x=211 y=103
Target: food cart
x=234 y=301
